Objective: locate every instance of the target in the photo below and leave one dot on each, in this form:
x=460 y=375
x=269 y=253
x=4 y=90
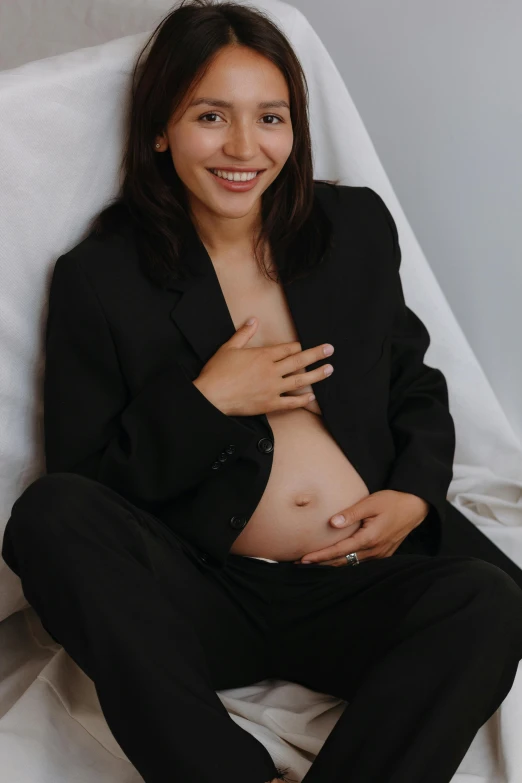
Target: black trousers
x=423 y=649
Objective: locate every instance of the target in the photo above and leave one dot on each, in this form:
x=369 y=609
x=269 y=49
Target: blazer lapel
x=201 y=312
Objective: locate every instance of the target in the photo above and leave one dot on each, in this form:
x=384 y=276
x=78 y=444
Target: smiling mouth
x=227 y=179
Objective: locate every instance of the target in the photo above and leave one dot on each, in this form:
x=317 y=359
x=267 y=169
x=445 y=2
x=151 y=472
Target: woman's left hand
x=387 y=518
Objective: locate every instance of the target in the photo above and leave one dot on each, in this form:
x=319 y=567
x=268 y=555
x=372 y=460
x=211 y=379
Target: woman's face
x=243 y=134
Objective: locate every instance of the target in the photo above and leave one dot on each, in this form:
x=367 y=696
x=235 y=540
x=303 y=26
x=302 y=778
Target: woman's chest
x=248 y=296
x=187 y=324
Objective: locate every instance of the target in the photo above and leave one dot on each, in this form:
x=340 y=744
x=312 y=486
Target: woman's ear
x=160 y=144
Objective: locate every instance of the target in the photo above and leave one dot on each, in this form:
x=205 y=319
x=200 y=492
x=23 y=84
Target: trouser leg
x=96 y=572
x=424 y=650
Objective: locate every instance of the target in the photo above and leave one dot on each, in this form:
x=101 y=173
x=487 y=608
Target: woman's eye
x=213 y=114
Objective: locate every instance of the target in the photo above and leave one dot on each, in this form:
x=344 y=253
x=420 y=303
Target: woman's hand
x=312 y=406
x=387 y=518
x=244 y=380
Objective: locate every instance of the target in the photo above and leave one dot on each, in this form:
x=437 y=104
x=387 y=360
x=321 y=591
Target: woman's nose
x=241 y=141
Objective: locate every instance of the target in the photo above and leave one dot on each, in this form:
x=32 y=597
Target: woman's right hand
x=243 y=381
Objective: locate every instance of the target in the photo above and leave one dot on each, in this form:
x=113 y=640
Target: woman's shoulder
x=104 y=252
x=334 y=195
x=350 y=204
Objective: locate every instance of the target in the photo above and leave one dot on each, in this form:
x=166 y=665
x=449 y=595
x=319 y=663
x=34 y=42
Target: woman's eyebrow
x=227 y=105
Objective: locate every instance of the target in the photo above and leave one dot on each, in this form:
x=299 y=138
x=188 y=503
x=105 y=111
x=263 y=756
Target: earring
x=157 y=145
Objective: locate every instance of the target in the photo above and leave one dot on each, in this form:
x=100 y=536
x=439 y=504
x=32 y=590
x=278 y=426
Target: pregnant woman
x=183 y=539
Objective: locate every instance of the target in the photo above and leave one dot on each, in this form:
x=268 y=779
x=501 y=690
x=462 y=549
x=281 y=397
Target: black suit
x=158 y=629
x=120 y=405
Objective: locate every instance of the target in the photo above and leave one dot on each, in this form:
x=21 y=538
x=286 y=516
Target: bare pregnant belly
x=311 y=480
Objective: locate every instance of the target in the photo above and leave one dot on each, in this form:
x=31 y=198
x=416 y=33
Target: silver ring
x=352 y=559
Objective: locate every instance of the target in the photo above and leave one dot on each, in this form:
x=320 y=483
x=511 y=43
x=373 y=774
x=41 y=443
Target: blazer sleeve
x=419 y=416
x=150 y=448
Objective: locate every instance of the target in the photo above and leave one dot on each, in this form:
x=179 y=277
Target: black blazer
x=121 y=354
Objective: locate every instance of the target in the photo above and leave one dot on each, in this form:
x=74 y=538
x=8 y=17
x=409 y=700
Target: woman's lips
x=237 y=186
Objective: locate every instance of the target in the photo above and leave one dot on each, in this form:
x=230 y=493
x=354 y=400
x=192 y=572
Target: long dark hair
x=153 y=197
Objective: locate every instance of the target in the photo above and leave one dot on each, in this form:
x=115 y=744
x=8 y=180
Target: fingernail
x=306 y=561
x=338 y=520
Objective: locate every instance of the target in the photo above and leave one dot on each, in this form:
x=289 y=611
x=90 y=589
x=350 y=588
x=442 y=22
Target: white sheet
x=60 y=141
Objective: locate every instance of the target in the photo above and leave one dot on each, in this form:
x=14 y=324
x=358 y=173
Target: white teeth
x=235 y=177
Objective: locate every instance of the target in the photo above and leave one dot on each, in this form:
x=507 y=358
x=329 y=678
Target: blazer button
x=265 y=445
x=230 y=449
x=216 y=465
x=204 y=557
x=238 y=523
x=222 y=457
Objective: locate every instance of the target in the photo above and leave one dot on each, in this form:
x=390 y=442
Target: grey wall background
x=438 y=86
